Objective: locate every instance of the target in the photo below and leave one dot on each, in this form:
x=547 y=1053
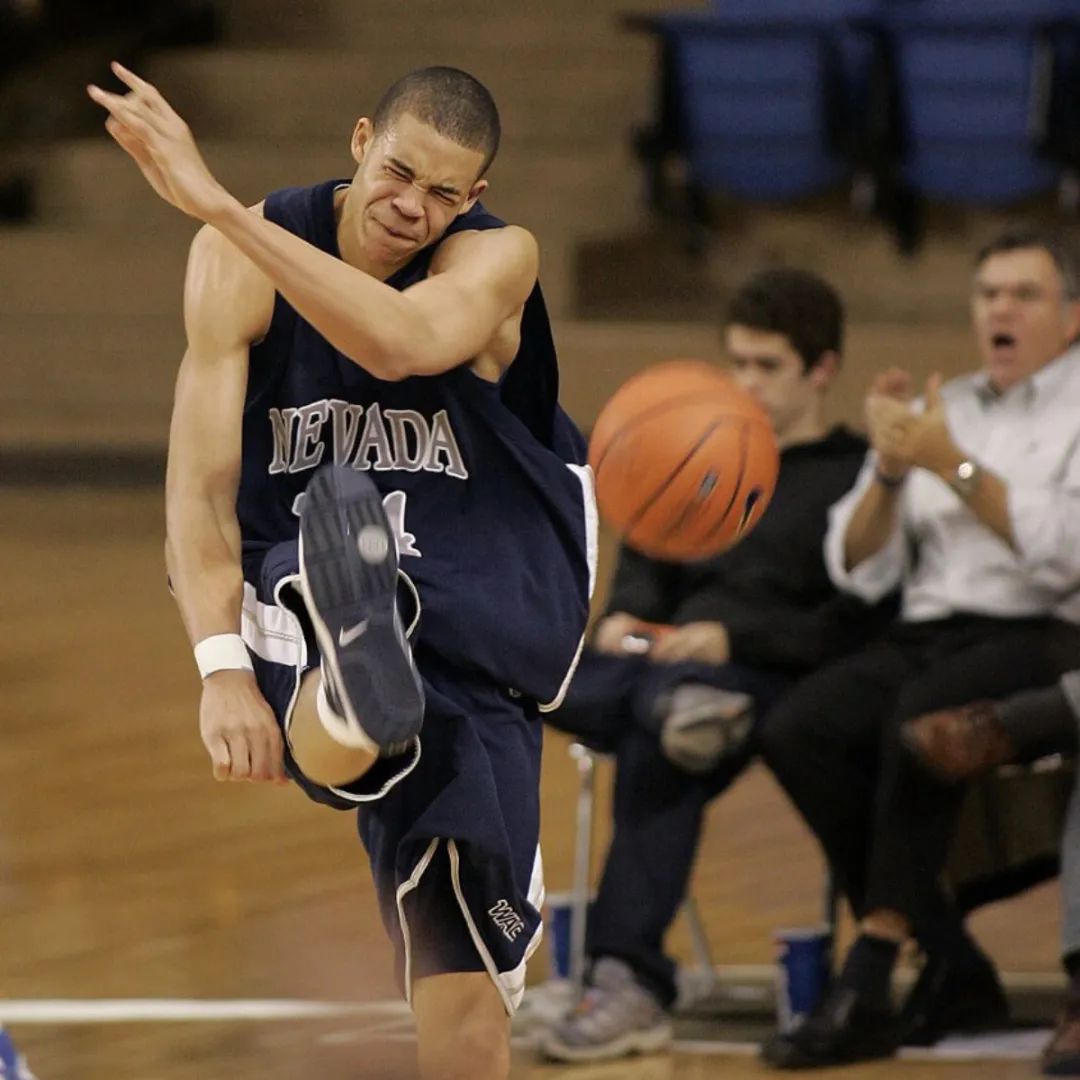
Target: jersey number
x=394 y=505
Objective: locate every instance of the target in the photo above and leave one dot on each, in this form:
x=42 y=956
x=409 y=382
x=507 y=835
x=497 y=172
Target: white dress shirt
x=1070 y=683
x=945 y=559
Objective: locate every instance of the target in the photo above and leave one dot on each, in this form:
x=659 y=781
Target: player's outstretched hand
x=161 y=143
x=239 y=730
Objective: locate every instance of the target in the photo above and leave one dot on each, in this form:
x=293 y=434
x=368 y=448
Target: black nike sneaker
x=348 y=577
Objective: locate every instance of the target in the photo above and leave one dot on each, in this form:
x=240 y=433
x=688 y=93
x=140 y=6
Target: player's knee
x=334 y=769
x=317 y=756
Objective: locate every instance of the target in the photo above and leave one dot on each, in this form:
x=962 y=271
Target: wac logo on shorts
x=507 y=919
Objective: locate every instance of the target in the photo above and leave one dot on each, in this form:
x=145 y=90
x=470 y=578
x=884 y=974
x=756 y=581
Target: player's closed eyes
x=447 y=198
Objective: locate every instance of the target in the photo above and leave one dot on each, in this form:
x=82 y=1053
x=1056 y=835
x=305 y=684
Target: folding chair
x=757 y=96
x=976 y=83
x=705 y=976
x=585 y=760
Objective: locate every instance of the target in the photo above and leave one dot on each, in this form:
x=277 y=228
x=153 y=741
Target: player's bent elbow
x=404 y=347
x=389 y=360
x=397 y=365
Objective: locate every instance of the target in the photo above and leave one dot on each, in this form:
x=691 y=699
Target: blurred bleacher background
x=658 y=153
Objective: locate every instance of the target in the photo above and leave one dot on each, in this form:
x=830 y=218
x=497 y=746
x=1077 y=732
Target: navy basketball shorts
x=452 y=825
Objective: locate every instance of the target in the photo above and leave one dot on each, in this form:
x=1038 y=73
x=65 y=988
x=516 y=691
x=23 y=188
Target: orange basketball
x=685 y=461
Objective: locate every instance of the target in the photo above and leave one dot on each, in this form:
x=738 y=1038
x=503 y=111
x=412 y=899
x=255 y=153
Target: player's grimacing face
x=413 y=183
x=766 y=365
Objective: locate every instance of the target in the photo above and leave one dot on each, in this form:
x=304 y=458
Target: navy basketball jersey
x=482 y=482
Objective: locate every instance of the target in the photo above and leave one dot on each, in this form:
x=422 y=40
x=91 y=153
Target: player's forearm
x=202 y=554
x=361 y=317
x=872 y=524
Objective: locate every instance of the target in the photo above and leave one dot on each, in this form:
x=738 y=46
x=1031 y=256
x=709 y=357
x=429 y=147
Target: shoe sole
x=795 y=1057
x=679 y=729
x=348 y=578
x=1063 y=1065
x=652 y=1041
x=932 y=1035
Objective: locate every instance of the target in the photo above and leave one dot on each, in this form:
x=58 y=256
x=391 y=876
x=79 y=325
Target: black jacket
x=771 y=591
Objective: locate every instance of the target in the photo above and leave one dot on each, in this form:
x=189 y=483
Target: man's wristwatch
x=965 y=478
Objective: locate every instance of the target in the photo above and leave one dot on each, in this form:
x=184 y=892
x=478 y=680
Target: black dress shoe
x=1062 y=1054
x=841 y=1030
x=957 y=744
x=957 y=995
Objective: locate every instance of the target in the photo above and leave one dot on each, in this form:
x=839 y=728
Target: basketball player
x=370 y=377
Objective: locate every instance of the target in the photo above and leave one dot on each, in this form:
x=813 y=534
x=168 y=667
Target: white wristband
x=222 y=652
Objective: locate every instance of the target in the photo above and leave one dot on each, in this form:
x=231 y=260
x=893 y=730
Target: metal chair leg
x=700 y=941
x=585 y=760
x=831 y=905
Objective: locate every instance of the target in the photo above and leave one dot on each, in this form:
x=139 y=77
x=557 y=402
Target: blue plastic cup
x=802 y=972
x=559 y=932
x=560 y=916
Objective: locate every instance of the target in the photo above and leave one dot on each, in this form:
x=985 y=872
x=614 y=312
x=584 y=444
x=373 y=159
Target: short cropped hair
x=1026 y=237
x=451 y=101
x=802 y=306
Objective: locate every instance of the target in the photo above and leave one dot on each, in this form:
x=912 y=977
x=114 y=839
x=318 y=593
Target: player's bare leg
x=462 y=1030
x=322 y=758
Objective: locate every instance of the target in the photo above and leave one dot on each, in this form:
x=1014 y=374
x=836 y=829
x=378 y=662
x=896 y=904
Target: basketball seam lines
x=651 y=500
x=642 y=416
x=744 y=443
x=693 y=505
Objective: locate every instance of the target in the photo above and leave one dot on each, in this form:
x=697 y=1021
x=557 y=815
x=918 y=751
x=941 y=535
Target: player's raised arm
x=443 y=321
x=227 y=305
x=481 y=282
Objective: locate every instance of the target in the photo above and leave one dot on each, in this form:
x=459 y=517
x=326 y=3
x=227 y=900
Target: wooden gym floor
x=132 y=885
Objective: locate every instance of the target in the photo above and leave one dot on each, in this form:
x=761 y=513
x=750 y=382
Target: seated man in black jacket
x=689 y=655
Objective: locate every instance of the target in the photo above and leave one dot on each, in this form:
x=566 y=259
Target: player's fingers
x=130 y=79
x=257 y=756
x=129 y=141
x=265 y=755
x=126 y=110
x=277 y=757
x=220 y=760
x=240 y=754
x=274 y=770
x=146 y=91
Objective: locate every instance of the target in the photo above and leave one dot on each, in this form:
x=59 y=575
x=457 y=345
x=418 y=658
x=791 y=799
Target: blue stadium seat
x=975 y=101
x=975 y=80
x=761 y=89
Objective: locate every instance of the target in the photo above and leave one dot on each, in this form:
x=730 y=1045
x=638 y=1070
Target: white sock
x=337 y=726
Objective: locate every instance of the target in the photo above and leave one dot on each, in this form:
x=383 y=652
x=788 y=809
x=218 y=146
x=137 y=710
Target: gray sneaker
x=617 y=1017
x=704 y=724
